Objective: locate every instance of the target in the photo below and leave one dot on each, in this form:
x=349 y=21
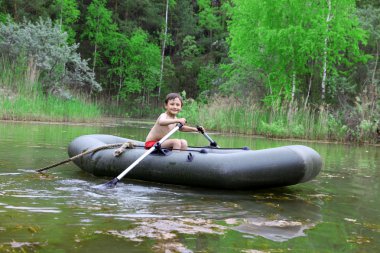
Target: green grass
x=21 y=98
x=232 y=116
x=49 y=108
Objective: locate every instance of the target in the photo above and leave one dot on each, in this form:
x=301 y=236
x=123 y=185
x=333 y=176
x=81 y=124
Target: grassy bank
x=21 y=98
x=286 y=121
x=49 y=108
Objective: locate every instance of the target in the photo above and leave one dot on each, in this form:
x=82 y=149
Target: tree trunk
x=324 y=75
x=94 y=62
x=32 y=73
x=308 y=91
x=163 y=48
x=96 y=47
x=373 y=86
x=118 y=92
x=293 y=86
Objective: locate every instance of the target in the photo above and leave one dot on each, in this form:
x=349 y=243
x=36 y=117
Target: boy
x=166 y=122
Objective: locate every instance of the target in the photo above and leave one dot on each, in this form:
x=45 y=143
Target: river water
x=62 y=211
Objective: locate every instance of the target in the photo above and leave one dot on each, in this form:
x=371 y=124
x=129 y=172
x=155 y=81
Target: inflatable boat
x=211 y=167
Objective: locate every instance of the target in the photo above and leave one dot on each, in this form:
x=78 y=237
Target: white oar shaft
x=208 y=137
x=130 y=167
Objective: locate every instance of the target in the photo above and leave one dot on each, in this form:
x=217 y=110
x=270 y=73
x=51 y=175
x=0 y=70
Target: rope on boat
x=80 y=155
x=123 y=147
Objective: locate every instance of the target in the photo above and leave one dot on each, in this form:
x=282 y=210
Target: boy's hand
x=182 y=121
x=200 y=129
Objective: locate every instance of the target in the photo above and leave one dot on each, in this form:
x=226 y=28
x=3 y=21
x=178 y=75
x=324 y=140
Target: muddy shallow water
x=63 y=210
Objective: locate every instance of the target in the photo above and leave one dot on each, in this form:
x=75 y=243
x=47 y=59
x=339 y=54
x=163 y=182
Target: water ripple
x=34 y=209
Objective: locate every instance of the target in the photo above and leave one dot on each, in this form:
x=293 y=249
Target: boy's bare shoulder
x=163 y=115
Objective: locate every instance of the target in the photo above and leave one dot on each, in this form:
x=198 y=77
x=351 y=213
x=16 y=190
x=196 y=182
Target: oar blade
x=111 y=184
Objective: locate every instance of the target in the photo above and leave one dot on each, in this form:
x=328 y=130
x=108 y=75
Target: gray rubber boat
x=239 y=169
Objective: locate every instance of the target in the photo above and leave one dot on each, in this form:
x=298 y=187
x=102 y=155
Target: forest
x=279 y=68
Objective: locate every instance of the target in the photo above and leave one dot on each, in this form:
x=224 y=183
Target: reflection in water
x=277 y=230
x=163 y=229
x=162 y=212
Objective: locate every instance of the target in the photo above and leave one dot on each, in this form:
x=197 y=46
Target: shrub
x=50 y=58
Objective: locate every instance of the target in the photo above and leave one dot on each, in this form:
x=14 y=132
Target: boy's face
x=173 y=106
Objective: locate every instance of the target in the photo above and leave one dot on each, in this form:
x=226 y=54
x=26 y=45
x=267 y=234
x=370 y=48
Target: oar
x=114 y=181
x=212 y=142
x=80 y=155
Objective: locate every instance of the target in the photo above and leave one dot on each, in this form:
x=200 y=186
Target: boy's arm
x=189 y=129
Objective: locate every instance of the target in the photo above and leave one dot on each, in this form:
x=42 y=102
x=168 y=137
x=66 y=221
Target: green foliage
x=189 y=51
x=208 y=16
x=280 y=41
x=370 y=20
x=209 y=80
x=240 y=80
x=68 y=14
x=277 y=128
x=336 y=128
x=367 y=129
x=184 y=21
x=3 y=15
x=190 y=109
x=98 y=22
x=139 y=64
x=99 y=27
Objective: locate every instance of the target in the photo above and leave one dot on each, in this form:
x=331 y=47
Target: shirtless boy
x=166 y=122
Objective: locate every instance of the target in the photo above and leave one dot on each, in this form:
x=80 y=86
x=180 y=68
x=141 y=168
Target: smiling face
x=173 y=106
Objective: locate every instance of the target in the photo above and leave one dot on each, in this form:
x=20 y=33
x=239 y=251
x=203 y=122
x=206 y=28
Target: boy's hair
x=172 y=96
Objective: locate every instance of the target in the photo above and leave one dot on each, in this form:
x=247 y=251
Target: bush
x=51 y=60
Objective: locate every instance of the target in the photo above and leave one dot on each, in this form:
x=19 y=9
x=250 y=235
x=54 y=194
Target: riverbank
x=220 y=114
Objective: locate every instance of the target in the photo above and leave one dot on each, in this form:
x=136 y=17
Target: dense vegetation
x=306 y=69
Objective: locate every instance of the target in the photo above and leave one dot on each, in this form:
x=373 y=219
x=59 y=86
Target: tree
x=284 y=42
x=68 y=14
x=3 y=16
x=370 y=20
x=270 y=37
x=98 y=26
x=164 y=45
x=136 y=64
x=342 y=37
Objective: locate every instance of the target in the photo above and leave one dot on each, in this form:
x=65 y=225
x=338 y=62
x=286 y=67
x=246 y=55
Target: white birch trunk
x=96 y=46
x=308 y=91
x=163 y=48
x=293 y=85
x=290 y=114
x=324 y=75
